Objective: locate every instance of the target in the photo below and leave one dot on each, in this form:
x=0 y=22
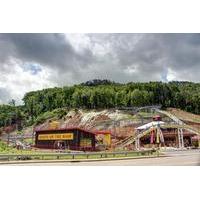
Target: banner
x=58 y=136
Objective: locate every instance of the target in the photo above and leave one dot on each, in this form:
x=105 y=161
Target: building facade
x=65 y=138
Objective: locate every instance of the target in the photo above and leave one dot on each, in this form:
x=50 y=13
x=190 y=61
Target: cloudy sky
x=35 y=61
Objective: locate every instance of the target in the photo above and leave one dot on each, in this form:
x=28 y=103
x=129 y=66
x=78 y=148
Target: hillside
x=184 y=116
x=121 y=124
x=98 y=95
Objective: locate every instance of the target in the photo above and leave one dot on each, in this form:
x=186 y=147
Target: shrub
x=57 y=114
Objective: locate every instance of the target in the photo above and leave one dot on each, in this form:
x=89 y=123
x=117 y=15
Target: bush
x=4 y=147
x=57 y=113
x=19 y=132
x=43 y=117
x=1 y=131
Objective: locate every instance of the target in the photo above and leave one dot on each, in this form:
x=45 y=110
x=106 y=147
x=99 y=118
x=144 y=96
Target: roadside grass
x=35 y=154
x=29 y=140
x=31 y=155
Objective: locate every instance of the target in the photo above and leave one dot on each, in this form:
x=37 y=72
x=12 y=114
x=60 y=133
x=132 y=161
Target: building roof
x=103 y=132
x=149 y=125
x=94 y=132
x=63 y=129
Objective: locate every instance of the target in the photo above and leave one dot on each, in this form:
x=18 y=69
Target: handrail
x=132 y=139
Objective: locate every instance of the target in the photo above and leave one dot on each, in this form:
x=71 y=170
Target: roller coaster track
x=173 y=117
x=125 y=142
x=129 y=140
x=178 y=124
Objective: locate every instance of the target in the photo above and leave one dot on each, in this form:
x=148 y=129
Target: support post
x=137 y=143
x=182 y=141
x=180 y=138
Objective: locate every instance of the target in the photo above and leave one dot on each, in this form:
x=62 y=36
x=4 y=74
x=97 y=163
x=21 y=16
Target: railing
x=132 y=139
x=22 y=136
x=76 y=155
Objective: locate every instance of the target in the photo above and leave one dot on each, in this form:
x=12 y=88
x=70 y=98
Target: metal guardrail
x=74 y=156
x=19 y=136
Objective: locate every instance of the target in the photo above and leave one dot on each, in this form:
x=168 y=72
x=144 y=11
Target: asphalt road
x=173 y=158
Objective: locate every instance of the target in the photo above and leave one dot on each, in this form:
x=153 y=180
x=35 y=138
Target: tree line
x=104 y=94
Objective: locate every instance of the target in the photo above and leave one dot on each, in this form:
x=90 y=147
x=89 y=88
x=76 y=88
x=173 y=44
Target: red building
x=65 y=138
x=73 y=138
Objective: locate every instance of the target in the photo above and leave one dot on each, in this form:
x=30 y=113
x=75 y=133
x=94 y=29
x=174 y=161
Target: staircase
x=125 y=142
x=129 y=140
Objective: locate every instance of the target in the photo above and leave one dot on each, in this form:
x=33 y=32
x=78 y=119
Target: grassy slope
x=185 y=116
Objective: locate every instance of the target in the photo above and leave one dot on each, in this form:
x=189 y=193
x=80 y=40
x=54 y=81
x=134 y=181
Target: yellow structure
x=54 y=125
x=62 y=136
x=107 y=139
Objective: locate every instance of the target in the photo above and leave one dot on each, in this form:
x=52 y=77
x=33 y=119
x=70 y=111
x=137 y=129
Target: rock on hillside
x=119 y=123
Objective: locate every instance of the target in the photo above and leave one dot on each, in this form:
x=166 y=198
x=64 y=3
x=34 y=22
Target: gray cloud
x=4 y=95
x=47 y=49
x=71 y=58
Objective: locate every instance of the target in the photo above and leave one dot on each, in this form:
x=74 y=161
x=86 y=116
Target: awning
x=149 y=125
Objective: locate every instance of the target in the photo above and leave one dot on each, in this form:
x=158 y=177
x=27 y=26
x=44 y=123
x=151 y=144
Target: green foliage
x=99 y=94
x=106 y=94
x=43 y=117
x=12 y=115
x=4 y=147
x=19 y=132
x=57 y=114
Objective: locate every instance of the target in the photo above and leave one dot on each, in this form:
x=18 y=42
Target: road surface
x=173 y=158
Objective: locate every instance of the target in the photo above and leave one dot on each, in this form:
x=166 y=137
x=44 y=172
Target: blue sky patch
x=34 y=68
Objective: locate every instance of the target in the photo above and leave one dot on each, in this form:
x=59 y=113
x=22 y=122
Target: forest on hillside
x=102 y=94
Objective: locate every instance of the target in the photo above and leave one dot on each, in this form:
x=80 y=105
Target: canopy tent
x=149 y=125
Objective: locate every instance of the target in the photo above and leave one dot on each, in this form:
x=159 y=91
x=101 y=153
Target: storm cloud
x=35 y=61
